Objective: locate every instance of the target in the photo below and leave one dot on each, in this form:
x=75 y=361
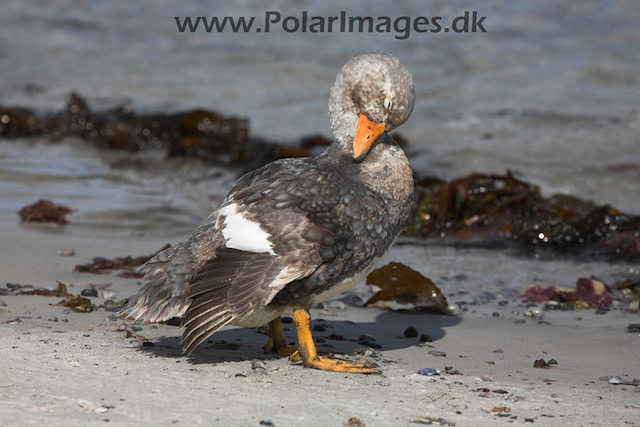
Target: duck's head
x=373 y=94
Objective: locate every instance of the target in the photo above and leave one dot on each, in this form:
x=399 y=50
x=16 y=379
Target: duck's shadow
x=238 y=344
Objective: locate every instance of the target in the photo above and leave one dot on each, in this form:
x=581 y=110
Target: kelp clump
x=205 y=134
x=501 y=209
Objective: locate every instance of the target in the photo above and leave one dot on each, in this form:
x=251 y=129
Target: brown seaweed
x=501 y=209
x=45 y=211
x=128 y=264
x=77 y=304
x=200 y=133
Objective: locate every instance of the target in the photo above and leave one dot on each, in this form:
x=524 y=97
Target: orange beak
x=366 y=134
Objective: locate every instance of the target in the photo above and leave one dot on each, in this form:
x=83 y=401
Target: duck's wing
x=269 y=239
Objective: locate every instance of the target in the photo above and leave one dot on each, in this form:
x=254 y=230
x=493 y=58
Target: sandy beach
x=524 y=143
x=61 y=367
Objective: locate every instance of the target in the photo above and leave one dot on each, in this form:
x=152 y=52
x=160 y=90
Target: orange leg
x=309 y=354
x=277 y=341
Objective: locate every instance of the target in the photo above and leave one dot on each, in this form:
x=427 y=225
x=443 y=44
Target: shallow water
x=551 y=91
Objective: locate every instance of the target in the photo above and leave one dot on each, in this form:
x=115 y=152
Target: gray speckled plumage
x=325 y=219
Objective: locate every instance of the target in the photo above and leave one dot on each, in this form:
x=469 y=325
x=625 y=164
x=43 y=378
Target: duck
x=297 y=231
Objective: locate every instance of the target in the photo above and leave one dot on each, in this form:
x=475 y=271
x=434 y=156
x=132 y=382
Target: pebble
x=498 y=350
x=367 y=337
x=426 y=338
x=496 y=314
x=259 y=364
x=503 y=303
x=520 y=322
x=148 y=344
x=66 y=252
x=2 y=303
x=602 y=310
x=487 y=378
x=500 y=391
x=136 y=328
x=453 y=310
x=65 y=320
x=266 y=423
x=411 y=332
x=53 y=319
x=540 y=363
x=112 y=318
x=535 y=313
x=552 y=305
x=633 y=327
x=437 y=353
x=89 y=292
x=485 y=297
x=356 y=422
x=428 y=371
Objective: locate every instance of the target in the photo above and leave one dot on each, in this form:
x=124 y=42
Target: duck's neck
x=385 y=169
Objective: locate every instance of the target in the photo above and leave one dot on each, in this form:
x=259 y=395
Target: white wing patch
x=242 y=233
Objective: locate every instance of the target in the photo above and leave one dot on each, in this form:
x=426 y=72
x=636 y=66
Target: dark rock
x=426 y=338
x=411 y=332
x=498 y=350
x=89 y=292
x=367 y=337
x=496 y=314
x=541 y=363
x=148 y=344
x=266 y=423
x=633 y=327
x=286 y=319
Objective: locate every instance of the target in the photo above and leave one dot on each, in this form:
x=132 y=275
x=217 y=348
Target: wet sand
x=83 y=370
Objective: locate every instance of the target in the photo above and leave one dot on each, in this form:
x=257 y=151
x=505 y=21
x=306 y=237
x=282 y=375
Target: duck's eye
x=388 y=103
